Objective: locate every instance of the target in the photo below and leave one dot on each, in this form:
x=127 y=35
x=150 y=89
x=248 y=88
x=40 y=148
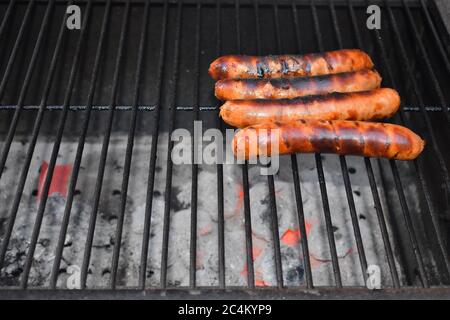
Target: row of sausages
x=317 y=102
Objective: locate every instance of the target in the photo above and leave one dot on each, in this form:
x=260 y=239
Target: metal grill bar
x=168 y=190
x=248 y=228
x=129 y=150
x=187 y=108
x=302 y=223
x=273 y=204
x=382 y=224
x=275 y=232
x=194 y=187
x=304 y=3
x=79 y=152
x=152 y=164
x=245 y=184
x=11 y=131
x=104 y=151
x=322 y=293
x=220 y=200
x=6 y=17
x=106 y=108
x=297 y=189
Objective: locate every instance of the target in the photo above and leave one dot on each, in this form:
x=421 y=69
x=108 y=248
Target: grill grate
x=409 y=51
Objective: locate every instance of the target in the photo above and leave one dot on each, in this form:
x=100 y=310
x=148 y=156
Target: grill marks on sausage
x=284 y=67
x=323 y=138
x=350 y=139
x=289 y=88
x=334 y=106
x=329 y=61
x=286 y=138
x=235 y=66
x=262 y=68
x=381 y=135
x=339 y=137
x=280 y=83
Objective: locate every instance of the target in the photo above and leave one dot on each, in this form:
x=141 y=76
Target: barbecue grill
x=92 y=206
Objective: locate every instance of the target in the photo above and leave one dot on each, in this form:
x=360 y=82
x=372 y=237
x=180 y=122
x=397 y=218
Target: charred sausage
x=314 y=64
x=366 y=105
x=339 y=137
x=288 y=88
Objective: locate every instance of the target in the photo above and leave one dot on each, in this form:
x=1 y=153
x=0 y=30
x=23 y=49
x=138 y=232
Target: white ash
x=179 y=237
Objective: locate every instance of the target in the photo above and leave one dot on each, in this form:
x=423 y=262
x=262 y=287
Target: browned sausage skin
x=367 y=105
x=339 y=137
x=288 y=88
x=235 y=66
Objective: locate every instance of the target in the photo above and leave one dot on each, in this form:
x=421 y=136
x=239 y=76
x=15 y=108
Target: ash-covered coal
x=207 y=257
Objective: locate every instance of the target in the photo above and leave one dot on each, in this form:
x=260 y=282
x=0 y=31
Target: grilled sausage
x=314 y=64
x=288 y=88
x=366 y=105
x=338 y=137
